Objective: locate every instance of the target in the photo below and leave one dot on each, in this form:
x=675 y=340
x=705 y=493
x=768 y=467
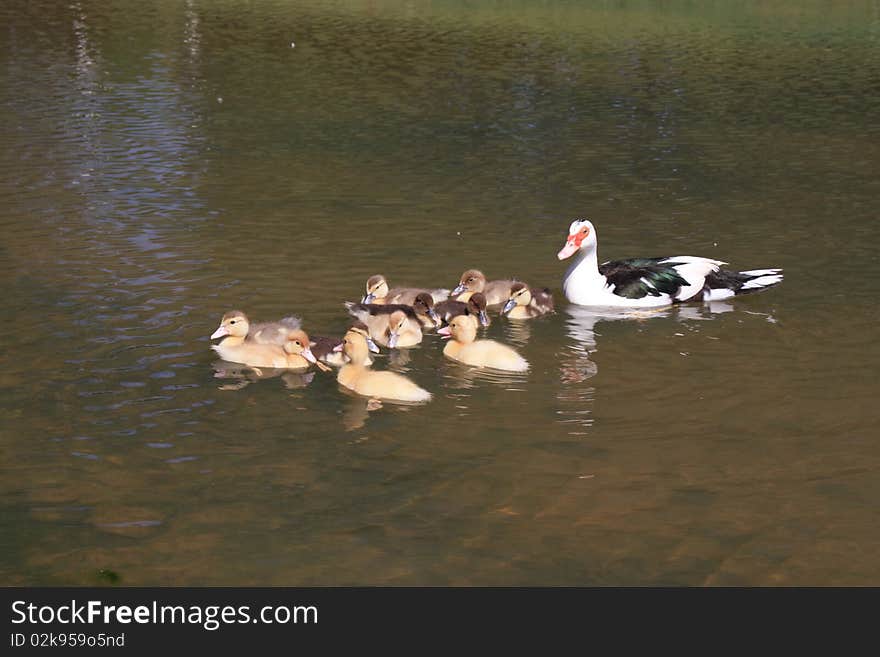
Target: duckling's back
x=488 y=353
x=255 y=355
x=383 y=385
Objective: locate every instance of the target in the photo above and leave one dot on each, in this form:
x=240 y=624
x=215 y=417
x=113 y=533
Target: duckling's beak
x=392 y=340
x=508 y=306
x=372 y=346
x=339 y=347
x=220 y=332
x=309 y=356
x=484 y=318
x=446 y=332
x=458 y=289
x=433 y=316
x=368 y=298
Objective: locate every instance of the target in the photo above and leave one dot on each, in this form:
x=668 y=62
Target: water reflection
x=243 y=375
x=459 y=376
x=358 y=408
x=518 y=331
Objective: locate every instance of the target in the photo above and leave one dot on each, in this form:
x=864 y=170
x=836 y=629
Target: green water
x=165 y=162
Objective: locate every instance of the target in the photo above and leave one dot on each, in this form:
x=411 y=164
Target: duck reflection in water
x=242 y=376
x=460 y=376
x=581 y=327
x=358 y=409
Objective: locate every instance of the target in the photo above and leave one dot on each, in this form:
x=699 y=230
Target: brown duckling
x=422 y=309
x=399 y=328
x=378 y=292
x=356 y=376
x=475 y=305
x=524 y=303
x=464 y=347
x=473 y=280
x=323 y=347
x=299 y=353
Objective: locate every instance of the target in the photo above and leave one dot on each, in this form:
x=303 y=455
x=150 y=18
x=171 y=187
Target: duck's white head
x=581 y=235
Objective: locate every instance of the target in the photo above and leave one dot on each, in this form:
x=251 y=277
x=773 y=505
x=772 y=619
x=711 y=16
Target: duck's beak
x=220 y=332
x=484 y=318
x=458 y=289
x=508 y=306
x=570 y=248
x=372 y=346
x=368 y=298
x=446 y=332
x=433 y=316
x=392 y=340
x=309 y=356
x=339 y=347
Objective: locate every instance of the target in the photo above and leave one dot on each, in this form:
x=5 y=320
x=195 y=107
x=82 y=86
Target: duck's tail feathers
x=357 y=310
x=725 y=284
x=291 y=322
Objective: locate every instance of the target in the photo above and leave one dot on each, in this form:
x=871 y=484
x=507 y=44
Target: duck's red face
x=578 y=232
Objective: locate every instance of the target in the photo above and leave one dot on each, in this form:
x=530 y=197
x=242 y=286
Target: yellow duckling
x=473 y=281
x=237 y=348
x=525 y=304
x=463 y=346
x=356 y=376
x=378 y=292
x=236 y=323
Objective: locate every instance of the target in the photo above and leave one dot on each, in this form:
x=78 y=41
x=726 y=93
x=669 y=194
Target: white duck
x=650 y=282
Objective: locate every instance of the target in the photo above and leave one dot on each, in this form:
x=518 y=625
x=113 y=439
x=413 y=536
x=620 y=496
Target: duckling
x=323 y=346
x=475 y=306
x=481 y=353
x=422 y=309
x=379 y=293
x=236 y=323
x=473 y=280
x=356 y=376
x=299 y=353
x=398 y=328
x=236 y=347
x=525 y=304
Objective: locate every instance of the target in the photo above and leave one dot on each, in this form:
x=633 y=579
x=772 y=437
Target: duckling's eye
x=297 y=343
x=232 y=321
x=471 y=279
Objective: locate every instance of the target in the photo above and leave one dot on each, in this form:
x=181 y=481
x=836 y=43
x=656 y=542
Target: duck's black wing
x=380 y=309
x=640 y=277
x=450 y=308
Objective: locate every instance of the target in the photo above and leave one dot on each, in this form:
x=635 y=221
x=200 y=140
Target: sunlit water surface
x=164 y=162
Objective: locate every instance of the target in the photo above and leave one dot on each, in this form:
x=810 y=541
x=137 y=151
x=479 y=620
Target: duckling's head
x=234 y=323
x=476 y=306
x=473 y=280
x=462 y=328
x=298 y=344
x=377 y=288
x=424 y=305
x=354 y=345
x=360 y=327
x=396 y=324
x=520 y=295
